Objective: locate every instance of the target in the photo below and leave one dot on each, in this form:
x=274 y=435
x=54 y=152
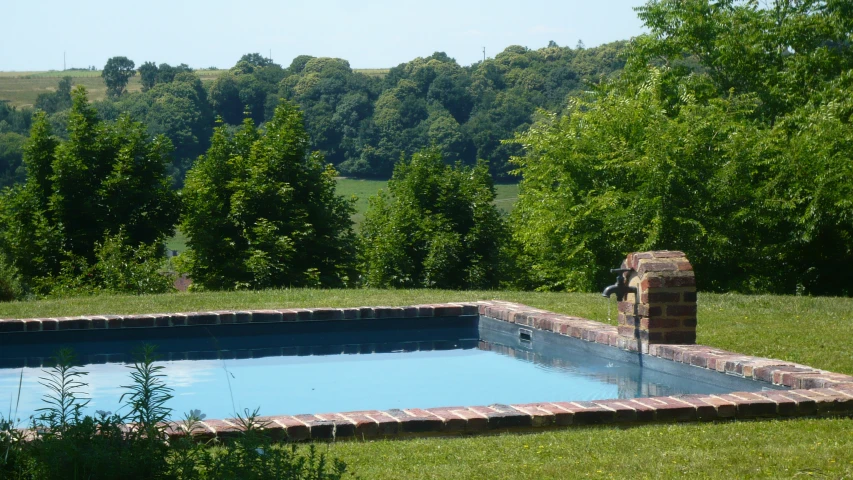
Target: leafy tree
x=178 y=109
x=435 y=227
x=781 y=52
x=11 y=157
x=56 y=101
x=117 y=73
x=105 y=180
x=167 y=73
x=261 y=212
x=14 y=120
x=148 y=75
x=716 y=152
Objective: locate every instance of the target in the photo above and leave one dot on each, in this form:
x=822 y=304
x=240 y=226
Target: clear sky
x=368 y=33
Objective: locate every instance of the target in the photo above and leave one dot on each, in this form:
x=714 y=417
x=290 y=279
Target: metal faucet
x=621 y=289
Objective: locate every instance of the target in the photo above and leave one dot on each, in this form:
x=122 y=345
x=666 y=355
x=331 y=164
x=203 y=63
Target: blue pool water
x=293 y=369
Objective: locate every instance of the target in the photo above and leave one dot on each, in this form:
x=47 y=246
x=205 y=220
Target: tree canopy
x=107 y=182
x=260 y=211
x=709 y=143
x=117 y=73
x=435 y=227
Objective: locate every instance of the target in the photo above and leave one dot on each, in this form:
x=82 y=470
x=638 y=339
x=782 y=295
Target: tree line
x=362 y=124
x=727 y=135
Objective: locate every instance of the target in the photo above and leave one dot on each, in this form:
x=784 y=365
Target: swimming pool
x=306 y=367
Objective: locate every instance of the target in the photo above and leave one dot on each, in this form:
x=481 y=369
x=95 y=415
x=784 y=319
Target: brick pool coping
x=813 y=392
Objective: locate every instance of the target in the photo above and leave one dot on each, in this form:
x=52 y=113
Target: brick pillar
x=666 y=313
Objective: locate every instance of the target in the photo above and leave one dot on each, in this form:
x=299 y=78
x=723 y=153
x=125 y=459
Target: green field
x=20 y=89
x=814 y=331
x=507 y=194
x=362 y=190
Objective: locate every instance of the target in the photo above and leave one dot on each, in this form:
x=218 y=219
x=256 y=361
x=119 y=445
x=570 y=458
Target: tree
x=11 y=156
x=117 y=73
x=435 y=227
x=260 y=211
x=148 y=75
x=107 y=180
x=728 y=136
x=56 y=101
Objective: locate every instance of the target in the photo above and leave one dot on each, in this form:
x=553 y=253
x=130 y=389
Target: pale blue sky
x=368 y=33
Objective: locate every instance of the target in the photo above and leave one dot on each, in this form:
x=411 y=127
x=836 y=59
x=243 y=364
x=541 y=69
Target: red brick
x=49 y=324
x=199 y=318
x=785 y=405
x=32 y=324
x=668 y=254
x=12 y=325
x=681 y=310
x=295 y=429
x=137 y=321
x=655 y=323
x=560 y=416
x=751 y=405
x=668 y=409
x=223 y=428
x=75 y=323
x=503 y=416
x=661 y=297
x=623 y=412
x=343 y=426
x=705 y=408
x=448 y=310
x=681 y=337
x=323 y=314
x=588 y=413
x=656 y=267
x=410 y=423
x=689 y=296
x=266 y=316
x=475 y=421
x=452 y=421
x=468 y=308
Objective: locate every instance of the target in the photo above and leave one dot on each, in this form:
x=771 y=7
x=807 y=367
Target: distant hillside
x=361 y=120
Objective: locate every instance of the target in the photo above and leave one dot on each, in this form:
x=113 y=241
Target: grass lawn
x=813 y=331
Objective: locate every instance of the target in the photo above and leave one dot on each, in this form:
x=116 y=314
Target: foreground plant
x=64 y=443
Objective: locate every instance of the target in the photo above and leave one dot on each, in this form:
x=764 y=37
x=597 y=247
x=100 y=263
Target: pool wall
x=813 y=392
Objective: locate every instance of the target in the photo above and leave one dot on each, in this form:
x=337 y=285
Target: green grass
x=507 y=194
x=22 y=88
x=813 y=331
x=772 y=449
x=373 y=72
x=363 y=190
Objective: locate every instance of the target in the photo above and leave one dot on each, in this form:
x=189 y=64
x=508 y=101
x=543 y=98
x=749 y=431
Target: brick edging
x=814 y=392
x=224 y=317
